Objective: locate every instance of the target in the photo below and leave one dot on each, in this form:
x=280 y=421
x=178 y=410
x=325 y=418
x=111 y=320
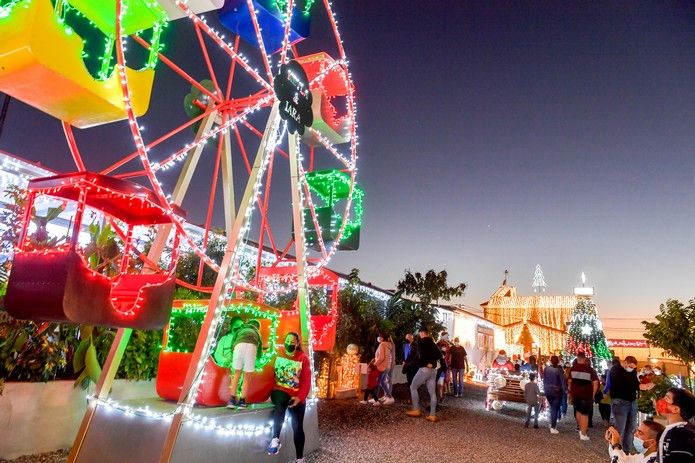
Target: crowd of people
x=616 y=392
x=440 y=366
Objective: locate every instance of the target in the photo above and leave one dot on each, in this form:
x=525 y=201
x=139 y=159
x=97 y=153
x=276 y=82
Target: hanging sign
x=627 y=343
x=292 y=89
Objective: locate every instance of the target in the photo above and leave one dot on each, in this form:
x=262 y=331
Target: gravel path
x=353 y=433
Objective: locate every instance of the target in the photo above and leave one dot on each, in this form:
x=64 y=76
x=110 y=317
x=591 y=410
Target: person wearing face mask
x=292 y=386
x=645 y=441
x=383 y=360
x=677 y=443
x=623 y=388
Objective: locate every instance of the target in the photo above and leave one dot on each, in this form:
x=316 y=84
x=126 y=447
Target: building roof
x=505 y=297
x=539 y=325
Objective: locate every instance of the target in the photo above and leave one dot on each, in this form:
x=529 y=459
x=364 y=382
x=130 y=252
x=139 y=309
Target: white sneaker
x=389 y=401
x=583 y=437
x=554 y=431
x=382 y=398
x=372 y=402
x=364 y=402
x=300 y=460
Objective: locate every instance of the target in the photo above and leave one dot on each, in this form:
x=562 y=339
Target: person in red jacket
x=292 y=386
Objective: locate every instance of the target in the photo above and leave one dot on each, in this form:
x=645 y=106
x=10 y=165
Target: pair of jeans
x=281 y=400
x=555 y=400
x=425 y=376
x=457 y=375
x=533 y=408
x=563 y=404
x=384 y=383
x=625 y=416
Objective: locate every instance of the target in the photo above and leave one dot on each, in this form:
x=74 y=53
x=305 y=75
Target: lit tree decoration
x=539 y=285
x=585 y=334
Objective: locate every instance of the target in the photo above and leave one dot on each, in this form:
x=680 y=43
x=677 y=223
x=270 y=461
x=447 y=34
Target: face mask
x=640 y=445
x=662 y=406
x=629 y=369
x=290 y=348
x=445 y=337
x=501 y=359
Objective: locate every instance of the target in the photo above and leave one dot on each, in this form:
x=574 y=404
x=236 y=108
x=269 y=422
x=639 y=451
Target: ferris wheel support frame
x=218 y=294
x=120 y=342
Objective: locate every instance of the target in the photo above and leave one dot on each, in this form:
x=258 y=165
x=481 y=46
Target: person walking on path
x=459 y=365
x=582 y=383
x=604 y=406
x=428 y=355
x=623 y=388
x=645 y=440
x=246 y=349
x=531 y=393
x=677 y=443
x=409 y=358
x=555 y=387
x=292 y=386
x=382 y=361
x=444 y=373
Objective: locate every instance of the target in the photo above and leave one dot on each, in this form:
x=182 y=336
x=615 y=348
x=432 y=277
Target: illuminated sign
x=627 y=343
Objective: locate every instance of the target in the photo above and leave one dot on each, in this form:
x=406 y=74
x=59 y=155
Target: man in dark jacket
x=624 y=386
x=428 y=357
x=458 y=364
x=677 y=443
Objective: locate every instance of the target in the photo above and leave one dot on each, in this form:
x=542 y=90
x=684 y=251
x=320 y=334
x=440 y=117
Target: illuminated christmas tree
x=585 y=333
x=538 y=280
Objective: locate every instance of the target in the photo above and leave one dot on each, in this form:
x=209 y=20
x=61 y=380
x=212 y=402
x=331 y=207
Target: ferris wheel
x=232 y=110
x=233 y=131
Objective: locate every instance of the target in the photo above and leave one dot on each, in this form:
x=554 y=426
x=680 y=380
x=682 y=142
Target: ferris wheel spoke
x=242 y=148
x=259 y=38
x=72 y=144
x=232 y=69
x=334 y=25
x=312 y=209
x=174 y=67
x=257 y=132
x=349 y=165
x=207 y=134
x=263 y=207
x=156 y=142
x=286 y=34
x=211 y=203
x=208 y=63
x=219 y=40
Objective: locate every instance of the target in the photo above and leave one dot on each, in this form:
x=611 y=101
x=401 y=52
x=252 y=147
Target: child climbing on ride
x=292 y=386
x=246 y=349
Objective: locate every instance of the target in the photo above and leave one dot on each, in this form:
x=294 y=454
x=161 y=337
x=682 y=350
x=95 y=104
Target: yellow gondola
x=41 y=64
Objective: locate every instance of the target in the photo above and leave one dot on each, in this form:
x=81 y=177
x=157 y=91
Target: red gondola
x=57 y=284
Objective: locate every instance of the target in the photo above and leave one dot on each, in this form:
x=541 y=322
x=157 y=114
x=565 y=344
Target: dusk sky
x=500 y=135
x=503 y=134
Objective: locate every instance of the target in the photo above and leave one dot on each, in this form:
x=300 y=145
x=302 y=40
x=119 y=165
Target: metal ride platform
x=135 y=431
